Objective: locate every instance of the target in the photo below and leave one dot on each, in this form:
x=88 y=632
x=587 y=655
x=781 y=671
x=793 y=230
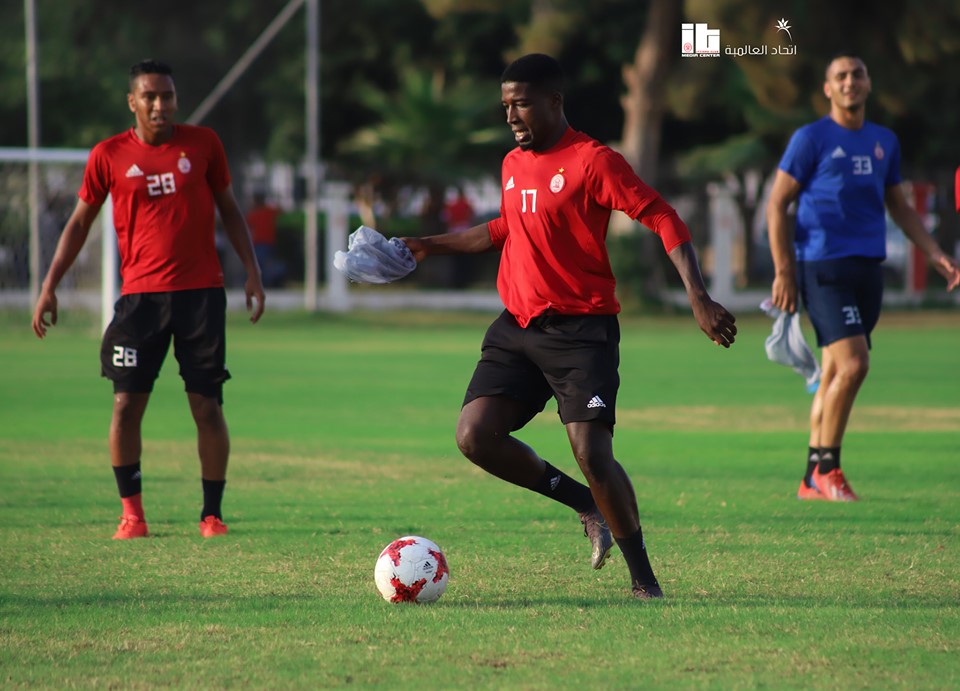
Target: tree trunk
x=643 y=109
x=645 y=79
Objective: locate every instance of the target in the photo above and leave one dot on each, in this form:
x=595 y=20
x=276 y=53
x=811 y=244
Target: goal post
x=38 y=191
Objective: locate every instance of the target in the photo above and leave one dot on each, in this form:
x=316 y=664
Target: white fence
x=33 y=215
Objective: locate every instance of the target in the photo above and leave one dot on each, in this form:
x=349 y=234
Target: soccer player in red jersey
x=559 y=335
x=167 y=181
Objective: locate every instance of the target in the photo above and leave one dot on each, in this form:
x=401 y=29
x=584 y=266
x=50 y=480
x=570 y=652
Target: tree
x=427 y=132
x=644 y=103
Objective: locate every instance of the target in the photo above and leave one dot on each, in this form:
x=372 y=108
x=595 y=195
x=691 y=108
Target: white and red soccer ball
x=411 y=569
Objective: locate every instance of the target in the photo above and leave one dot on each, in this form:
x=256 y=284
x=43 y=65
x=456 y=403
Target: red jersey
x=262 y=221
x=459 y=214
x=552 y=228
x=163 y=206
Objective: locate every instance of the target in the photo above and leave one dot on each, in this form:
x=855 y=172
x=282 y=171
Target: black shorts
x=574 y=358
x=842 y=296
x=136 y=342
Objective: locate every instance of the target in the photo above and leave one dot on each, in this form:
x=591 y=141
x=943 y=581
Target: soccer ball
x=411 y=569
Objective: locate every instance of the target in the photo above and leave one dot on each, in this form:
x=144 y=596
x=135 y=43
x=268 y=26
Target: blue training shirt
x=844 y=174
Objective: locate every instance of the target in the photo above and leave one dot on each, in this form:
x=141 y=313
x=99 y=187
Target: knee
x=207 y=412
x=853 y=371
x=596 y=467
x=127 y=411
x=472 y=439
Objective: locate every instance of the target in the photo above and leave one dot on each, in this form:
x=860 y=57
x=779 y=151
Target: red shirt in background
x=163 y=206
x=552 y=228
x=262 y=220
x=956 y=190
x=459 y=214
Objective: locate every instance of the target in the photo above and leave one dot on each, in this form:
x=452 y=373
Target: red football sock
x=133 y=506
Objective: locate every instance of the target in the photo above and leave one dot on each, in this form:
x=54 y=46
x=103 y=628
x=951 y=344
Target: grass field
x=342 y=431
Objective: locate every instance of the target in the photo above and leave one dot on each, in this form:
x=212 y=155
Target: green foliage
x=901 y=42
x=343 y=439
x=86 y=48
x=738 y=153
x=430 y=132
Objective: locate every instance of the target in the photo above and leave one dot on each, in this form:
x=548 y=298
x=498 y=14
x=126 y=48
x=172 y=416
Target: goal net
x=32 y=216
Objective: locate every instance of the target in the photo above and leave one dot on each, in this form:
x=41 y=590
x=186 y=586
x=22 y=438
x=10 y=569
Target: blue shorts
x=842 y=296
x=573 y=358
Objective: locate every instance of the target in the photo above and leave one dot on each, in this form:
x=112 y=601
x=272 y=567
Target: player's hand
x=253 y=289
x=46 y=304
x=417 y=247
x=784 y=292
x=949 y=269
x=715 y=321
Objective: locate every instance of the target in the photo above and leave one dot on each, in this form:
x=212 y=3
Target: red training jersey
x=163 y=206
x=552 y=228
x=262 y=221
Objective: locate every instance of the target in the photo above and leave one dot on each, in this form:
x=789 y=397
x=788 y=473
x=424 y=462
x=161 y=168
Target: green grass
x=342 y=431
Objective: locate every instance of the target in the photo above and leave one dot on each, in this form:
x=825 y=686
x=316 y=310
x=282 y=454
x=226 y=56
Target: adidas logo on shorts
x=596 y=402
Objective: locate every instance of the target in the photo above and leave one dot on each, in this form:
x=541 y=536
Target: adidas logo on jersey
x=134 y=171
x=596 y=402
x=838 y=153
x=509 y=185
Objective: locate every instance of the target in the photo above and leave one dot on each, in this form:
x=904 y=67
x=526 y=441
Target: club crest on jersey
x=557 y=183
x=183 y=165
x=878 y=152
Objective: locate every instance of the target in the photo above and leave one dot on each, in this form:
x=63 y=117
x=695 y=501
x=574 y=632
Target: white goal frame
x=109 y=288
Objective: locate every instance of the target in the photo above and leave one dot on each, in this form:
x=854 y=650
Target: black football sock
x=829 y=459
x=128 y=479
x=635 y=554
x=212 y=496
x=557 y=485
x=813 y=458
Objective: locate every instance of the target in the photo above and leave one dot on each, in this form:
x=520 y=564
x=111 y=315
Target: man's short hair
x=149 y=66
x=843 y=53
x=539 y=70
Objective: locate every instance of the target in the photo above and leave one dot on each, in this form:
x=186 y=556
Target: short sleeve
x=96 y=178
x=218 y=172
x=893 y=170
x=800 y=158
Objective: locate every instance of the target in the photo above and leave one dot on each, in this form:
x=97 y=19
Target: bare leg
x=592 y=444
x=483 y=436
x=213 y=437
x=126 y=442
x=816 y=408
x=845 y=366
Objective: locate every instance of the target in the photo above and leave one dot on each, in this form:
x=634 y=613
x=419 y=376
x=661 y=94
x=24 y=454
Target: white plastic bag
x=787 y=346
x=372 y=258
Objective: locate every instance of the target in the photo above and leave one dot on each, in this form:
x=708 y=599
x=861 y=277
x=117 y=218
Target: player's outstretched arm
x=471 y=241
x=239 y=236
x=71 y=241
x=910 y=222
x=714 y=320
